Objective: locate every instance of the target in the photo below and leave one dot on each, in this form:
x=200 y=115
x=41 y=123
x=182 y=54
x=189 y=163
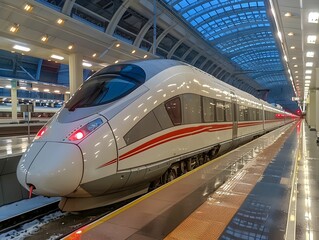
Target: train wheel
x=171 y=175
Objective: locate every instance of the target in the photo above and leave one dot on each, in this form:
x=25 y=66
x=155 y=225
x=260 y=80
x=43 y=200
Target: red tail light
x=86 y=129
x=41 y=132
x=78 y=135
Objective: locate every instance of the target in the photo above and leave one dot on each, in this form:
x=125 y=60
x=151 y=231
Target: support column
x=316 y=104
x=14 y=101
x=75 y=71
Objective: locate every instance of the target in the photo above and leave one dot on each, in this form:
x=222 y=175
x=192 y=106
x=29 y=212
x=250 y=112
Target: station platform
x=266 y=189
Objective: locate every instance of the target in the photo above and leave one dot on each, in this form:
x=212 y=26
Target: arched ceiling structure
x=244 y=33
x=234 y=40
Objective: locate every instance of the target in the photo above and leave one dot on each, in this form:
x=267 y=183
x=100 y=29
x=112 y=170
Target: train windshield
x=100 y=90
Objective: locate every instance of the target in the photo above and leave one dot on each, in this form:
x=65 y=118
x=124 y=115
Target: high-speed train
x=136 y=125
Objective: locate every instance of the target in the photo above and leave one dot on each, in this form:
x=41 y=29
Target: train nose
x=54 y=169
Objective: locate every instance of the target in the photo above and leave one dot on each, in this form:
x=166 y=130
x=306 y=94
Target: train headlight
x=86 y=129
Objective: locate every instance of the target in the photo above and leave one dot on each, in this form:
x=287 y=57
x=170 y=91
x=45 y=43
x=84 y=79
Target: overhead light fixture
x=57 y=91
x=45 y=38
x=133 y=51
x=116 y=61
x=67 y=92
x=311 y=39
x=290 y=34
x=288 y=14
x=57 y=57
x=310 y=54
x=86 y=64
x=70 y=47
x=94 y=55
x=23 y=88
x=46 y=90
x=117 y=45
x=297 y=77
x=307 y=84
x=21 y=48
x=309 y=64
x=8 y=86
x=294 y=58
x=296 y=71
x=145 y=56
x=307 y=81
x=35 y=89
x=295 y=65
x=28 y=7
x=307 y=77
x=14 y=28
x=60 y=21
x=308 y=71
x=313 y=17
x=292 y=47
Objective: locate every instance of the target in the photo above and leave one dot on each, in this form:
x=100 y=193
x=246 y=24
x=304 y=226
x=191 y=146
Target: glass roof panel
x=242 y=32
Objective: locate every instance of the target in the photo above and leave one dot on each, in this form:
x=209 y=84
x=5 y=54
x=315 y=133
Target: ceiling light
x=307 y=77
x=313 y=17
x=288 y=14
x=297 y=77
x=296 y=71
x=23 y=88
x=70 y=47
x=309 y=64
x=292 y=47
x=28 y=8
x=57 y=91
x=310 y=54
x=44 y=38
x=117 y=45
x=308 y=72
x=8 y=86
x=94 y=55
x=116 y=61
x=307 y=81
x=57 y=57
x=294 y=58
x=290 y=34
x=35 y=89
x=145 y=56
x=311 y=39
x=67 y=92
x=14 y=28
x=86 y=64
x=295 y=65
x=60 y=21
x=307 y=84
x=133 y=51
x=21 y=48
x=46 y=90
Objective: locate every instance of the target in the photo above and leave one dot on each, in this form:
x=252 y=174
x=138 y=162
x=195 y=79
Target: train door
x=235 y=114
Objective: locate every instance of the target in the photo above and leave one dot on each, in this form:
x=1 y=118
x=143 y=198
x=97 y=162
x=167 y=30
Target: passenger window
x=228 y=112
x=208 y=109
x=173 y=108
x=192 y=109
x=220 y=112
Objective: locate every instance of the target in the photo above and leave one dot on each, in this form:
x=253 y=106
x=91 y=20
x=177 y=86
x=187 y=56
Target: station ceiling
x=258 y=46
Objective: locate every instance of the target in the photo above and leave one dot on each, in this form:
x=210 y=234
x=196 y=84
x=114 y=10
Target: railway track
x=50 y=223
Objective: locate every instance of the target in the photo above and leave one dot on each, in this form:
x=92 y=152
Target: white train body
x=102 y=148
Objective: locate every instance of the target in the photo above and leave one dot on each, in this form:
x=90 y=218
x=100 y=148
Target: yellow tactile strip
x=212 y=217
